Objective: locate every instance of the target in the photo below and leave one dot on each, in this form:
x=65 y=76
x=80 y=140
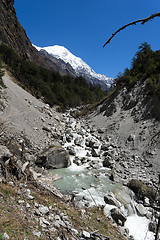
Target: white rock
x=37 y=234
x=43 y=209
x=27 y=205
x=5 y=236
x=86 y=234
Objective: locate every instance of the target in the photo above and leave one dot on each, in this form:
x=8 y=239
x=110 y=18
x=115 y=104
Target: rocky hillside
x=132 y=117
x=13 y=34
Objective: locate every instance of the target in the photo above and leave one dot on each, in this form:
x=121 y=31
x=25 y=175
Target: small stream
x=90 y=182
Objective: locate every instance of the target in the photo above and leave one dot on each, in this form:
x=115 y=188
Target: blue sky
x=83 y=26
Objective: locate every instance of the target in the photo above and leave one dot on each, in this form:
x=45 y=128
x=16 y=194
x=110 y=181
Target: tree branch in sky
x=143 y=21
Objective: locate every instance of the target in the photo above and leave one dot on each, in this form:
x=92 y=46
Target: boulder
x=141 y=190
x=108 y=162
x=118 y=215
x=53 y=157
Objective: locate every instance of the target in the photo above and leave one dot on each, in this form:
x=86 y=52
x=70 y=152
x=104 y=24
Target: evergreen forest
x=53 y=88
x=145 y=66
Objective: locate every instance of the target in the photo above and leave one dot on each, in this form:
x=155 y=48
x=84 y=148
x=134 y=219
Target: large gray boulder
x=53 y=157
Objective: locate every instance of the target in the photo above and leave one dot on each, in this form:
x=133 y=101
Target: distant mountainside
x=79 y=66
x=14 y=35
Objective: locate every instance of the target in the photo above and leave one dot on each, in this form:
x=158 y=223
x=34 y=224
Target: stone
x=43 y=209
x=118 y=215
x=152 y=227
x=71 y=151
x=34 y=174
x=28 y=205
x=4 y=153
x=47 y=128
x=141 y=210
x=45 y=222
x=146 y=202
x=86 y=234
x=100 y=130
x=105 y=147
x=96 y=145
x=37 y=234
x=5 y=236
x=53 y=157
x=29 y=197
x=74 y=231
x=131 y=138
x=20 y=201
x=108 y=162
x=24 y=166
x=91 y=143
x=78 y=141
x=111 y=200
x=131 y=237
x=141 y=190
x=95 y=153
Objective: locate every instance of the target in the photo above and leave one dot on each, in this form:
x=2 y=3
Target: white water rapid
x=90 y=181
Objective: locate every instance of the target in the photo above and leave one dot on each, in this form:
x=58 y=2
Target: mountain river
x=89 y=181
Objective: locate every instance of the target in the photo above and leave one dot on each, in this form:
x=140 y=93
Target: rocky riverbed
x=112 y=151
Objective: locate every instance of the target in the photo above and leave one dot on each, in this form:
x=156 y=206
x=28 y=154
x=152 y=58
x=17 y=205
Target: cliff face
x=13 y=34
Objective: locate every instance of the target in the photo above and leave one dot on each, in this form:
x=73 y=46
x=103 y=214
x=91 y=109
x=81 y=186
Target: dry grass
x=20 y=225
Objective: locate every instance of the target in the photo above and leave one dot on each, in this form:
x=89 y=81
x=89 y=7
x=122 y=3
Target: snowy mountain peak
x=80 y=67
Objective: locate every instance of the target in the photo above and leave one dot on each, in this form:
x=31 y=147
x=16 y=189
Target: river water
x=92 y=183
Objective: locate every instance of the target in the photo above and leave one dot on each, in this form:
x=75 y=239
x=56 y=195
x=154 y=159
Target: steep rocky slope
x=13 y=34
x=132 y=117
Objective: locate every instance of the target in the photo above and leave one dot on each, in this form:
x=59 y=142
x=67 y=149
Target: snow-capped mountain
x=80 y=67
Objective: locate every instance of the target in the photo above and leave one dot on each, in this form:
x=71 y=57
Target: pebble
x=27 y=205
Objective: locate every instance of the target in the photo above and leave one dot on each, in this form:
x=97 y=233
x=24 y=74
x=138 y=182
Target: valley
x=79 y=152
x=106 y=153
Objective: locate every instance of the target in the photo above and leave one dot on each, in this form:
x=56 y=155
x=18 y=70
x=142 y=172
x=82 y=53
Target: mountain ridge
x=79 y=66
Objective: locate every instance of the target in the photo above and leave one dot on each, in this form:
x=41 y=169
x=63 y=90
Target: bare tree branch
x=143 y=21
